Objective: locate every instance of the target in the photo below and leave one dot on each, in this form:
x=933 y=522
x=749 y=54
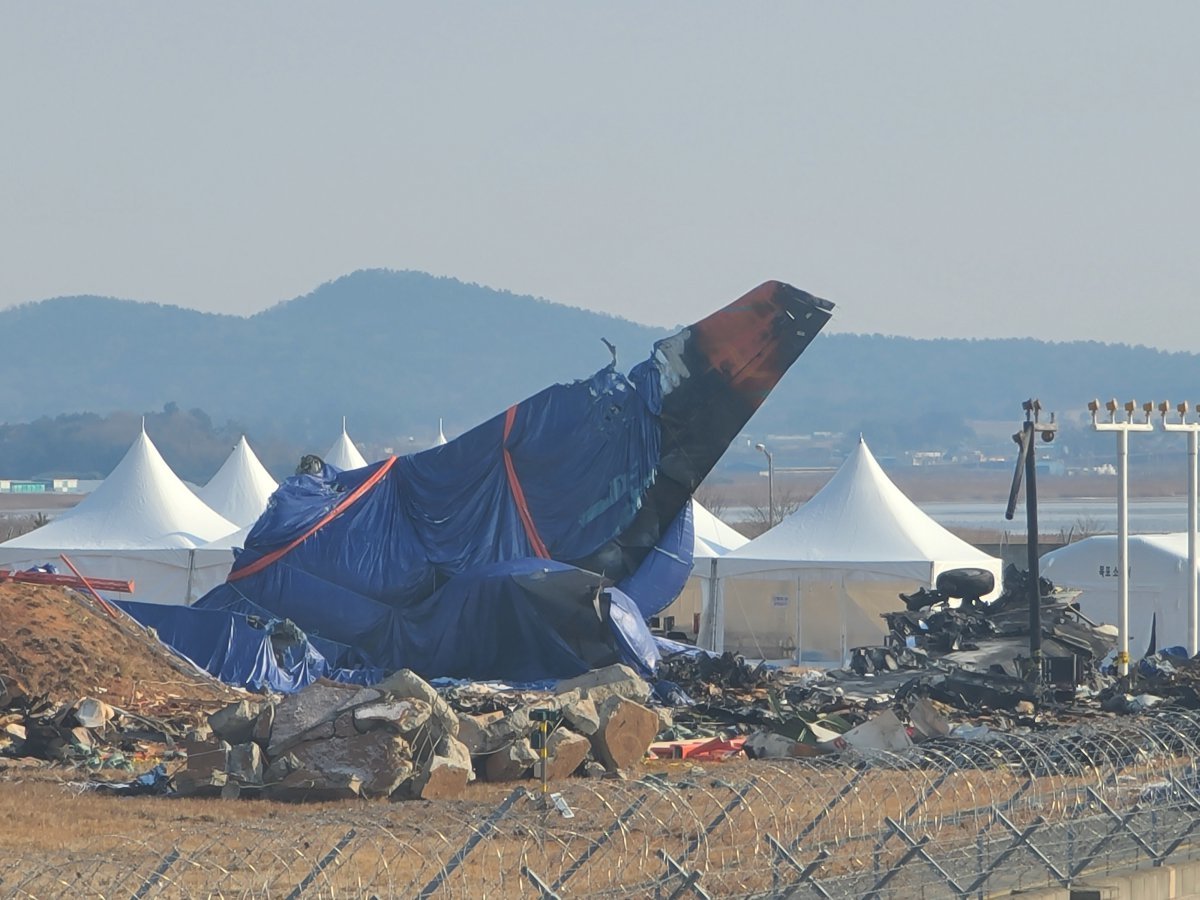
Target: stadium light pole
x=770 y=484
x=1193 y=635
x=1122 y=429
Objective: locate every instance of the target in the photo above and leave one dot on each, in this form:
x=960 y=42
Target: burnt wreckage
x=525 y=548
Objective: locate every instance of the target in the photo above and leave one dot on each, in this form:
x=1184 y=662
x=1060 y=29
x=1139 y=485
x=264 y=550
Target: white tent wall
x=175 y=576
x=1158 y=583
x=846 y=554
x=821 y=611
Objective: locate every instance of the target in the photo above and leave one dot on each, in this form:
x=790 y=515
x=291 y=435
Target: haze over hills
x=396 y=351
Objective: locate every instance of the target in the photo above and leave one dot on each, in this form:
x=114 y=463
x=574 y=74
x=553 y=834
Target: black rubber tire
x=966 y=583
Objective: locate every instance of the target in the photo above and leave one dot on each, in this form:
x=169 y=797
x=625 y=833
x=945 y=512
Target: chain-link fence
x=947 y=818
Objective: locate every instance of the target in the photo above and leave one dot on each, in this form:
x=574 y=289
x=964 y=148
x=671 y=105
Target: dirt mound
x=56 y=642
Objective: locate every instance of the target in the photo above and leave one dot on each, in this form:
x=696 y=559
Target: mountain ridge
x=395 y=351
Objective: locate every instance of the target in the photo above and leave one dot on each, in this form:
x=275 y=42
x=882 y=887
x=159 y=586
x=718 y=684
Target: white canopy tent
x=713 y=539
x=815 y=584
x=141 y=524
x=343 y=454
x=1158 y=582
x=241 y=488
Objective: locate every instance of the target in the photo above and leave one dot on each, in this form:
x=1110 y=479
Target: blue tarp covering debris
x=249 y=651
x=431 y=561
x=533 y=546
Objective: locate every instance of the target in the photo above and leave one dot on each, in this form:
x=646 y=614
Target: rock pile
x=401 y=739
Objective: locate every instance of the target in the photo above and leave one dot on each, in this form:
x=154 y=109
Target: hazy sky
x=936 y=169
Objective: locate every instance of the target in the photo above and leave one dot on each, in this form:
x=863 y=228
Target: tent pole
x=717 y=602
x=842 y=605
x=187 y=597
x=799 y=629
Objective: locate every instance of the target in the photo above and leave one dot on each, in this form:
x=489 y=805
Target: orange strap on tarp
x=514 y=486
x=262 y=562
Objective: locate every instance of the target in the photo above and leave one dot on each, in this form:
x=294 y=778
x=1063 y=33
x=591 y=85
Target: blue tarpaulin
x=533 y=546
x=248 y=651
x=447 y=562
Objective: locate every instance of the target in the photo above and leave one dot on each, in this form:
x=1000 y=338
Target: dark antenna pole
x=1027 y=465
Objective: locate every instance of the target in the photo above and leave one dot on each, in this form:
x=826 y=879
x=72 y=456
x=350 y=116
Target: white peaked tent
x=141 y=524
x=441 y=438
x=815 y=584
x=240 y=489
x=343 y=454
x=1158 y=583
x=713 y=539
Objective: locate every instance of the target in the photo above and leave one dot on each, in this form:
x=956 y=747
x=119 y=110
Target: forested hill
x=396 y=351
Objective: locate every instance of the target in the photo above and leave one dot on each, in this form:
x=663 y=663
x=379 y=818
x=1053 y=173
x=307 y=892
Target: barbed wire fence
x=947 y=818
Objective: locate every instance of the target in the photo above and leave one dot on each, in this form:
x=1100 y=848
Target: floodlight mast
x=1027 y=464
x=1122 y=429
x=1193 y=636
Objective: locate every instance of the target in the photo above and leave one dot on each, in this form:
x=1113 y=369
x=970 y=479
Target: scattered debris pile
x=994 y=637
x=88 y=733
x=400 y=738
x=82 y=686
x=948 y=655
x=58 y=645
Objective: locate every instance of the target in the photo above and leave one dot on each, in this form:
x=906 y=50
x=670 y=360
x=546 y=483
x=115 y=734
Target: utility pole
x=1027 y=465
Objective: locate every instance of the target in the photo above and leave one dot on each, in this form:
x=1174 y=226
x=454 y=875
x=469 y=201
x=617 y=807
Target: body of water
x=1090 y=516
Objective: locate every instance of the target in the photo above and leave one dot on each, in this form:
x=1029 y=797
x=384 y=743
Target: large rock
x=404 y=714
x=600 y=684
x=380 y=760
x=512 y=763
x=445 y=775
x=476 y=734
x=199 y=784
x=565 y=752
x=580 y=712
x=206 y=757
x=304 y=785
x=235 y=723
x=407 y=683
x=309 y=714
x=246 y=764
x=280 y=768
x=626 y=731
x=263 y=725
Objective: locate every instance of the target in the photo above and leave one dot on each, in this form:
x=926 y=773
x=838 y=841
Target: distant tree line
x=87 y=445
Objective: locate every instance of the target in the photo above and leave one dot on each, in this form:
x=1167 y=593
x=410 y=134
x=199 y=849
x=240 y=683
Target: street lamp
x=1122 y=429
x=1191 y=428
x=770 y=484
